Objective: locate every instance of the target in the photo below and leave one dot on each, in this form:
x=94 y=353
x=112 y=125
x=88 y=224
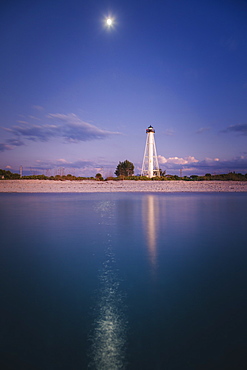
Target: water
x=123 y=281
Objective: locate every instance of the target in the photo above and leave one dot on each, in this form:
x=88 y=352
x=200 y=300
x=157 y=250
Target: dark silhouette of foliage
x=98 y=176
x=125 y=168
x=162 y=173
x=125 y=171
x=8 y=175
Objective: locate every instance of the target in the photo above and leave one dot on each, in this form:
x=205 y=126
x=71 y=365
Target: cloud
x=61 y=162
x=38 y=107
x=4 y=147
x=212 y=165
x=235 y=164
x=10 y=143
x=169 y=132
x=238 y=128
x=177 y=160
x=33 y=117
x=74 y=129
x=35 y=132
x=202 y=129
x=62 y=166
x=15 y=142
x=238 y=164
x=67 y=126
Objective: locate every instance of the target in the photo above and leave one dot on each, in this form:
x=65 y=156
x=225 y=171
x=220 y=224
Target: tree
x=98 y=176
x=162 y=173
x=8 y=175
x=125 y=168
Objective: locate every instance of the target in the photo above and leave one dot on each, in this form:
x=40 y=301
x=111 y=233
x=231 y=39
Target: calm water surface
x=123 y=281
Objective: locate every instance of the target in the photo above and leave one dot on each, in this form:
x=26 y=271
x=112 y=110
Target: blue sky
x=77 y=96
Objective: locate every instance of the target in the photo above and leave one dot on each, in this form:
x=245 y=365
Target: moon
x=109 y=22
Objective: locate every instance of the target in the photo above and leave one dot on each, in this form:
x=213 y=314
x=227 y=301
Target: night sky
x=77 y=94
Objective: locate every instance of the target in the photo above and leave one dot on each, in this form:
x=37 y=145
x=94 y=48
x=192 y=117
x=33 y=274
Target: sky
x=77 y=95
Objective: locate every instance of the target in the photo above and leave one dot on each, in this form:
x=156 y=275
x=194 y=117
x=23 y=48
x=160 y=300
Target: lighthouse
x=150 y=165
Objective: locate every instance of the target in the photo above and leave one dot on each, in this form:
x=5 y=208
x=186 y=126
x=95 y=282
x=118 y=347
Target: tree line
x=125 y=171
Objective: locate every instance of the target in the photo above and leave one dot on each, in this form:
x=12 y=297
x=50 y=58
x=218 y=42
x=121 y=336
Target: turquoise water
x=123 y=281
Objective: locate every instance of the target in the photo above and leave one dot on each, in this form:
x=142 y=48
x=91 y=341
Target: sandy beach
x=87 y=186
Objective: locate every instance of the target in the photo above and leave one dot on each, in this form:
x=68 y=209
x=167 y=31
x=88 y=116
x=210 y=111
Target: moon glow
x=109 y=22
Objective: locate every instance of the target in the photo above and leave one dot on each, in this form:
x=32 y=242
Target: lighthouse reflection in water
x=150 y=216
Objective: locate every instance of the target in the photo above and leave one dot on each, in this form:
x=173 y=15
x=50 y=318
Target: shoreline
x=91 y=186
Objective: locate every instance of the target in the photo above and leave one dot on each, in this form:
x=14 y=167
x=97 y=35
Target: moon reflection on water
x=109 y=328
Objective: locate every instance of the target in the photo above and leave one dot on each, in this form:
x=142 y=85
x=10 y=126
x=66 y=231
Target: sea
x=123 y=281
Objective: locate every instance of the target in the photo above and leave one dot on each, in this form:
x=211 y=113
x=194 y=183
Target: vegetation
x=99 y=177
x=232 y=176
x=125 y=168
x=162 y=173
x=8 y=175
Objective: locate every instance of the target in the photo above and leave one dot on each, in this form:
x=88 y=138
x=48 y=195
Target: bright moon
x=109 y=21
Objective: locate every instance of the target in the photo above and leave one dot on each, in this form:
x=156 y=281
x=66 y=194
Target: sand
x=89 y=186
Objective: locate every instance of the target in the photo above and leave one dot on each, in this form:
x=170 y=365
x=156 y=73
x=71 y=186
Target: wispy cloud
x=238 y=128
x=169 y=132
x=61 y=162
x=67 y=126
x=10 y=144
x=33 y=117
x=73 y=128
x=202 y=130
x=15 y=142
x=38 y=107
x=4 y=147
x=34 y=132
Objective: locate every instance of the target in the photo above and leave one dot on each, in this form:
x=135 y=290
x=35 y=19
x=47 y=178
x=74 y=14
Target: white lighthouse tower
x=150 y=165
